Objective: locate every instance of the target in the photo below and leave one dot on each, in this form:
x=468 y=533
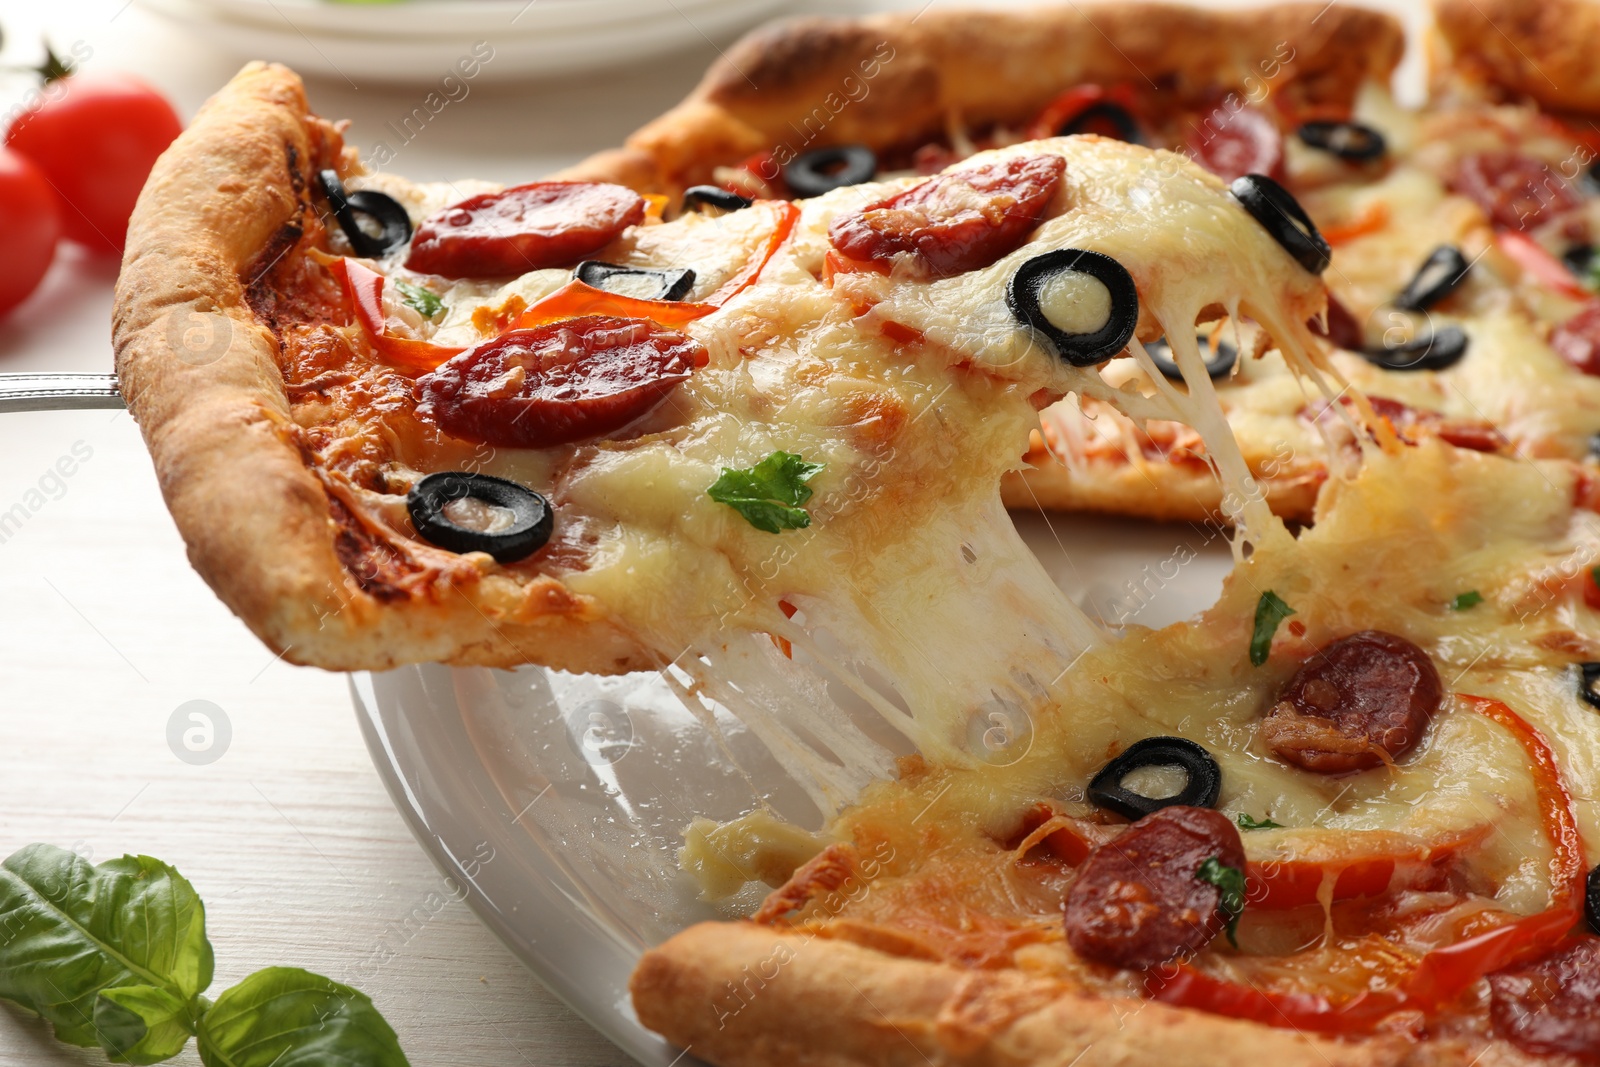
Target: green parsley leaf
x=769 y=494
x=1270 y=611
x=1248 y=822
x=284 y=1015
x=424 y=302
x=1463 y=601
x=1231 y=881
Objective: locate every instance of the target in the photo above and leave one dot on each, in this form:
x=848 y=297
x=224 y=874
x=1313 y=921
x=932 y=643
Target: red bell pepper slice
x=1275 y=885
x=575 y=298
x=364 y=287
x=1534 y=258
x=1443 y=973
x=1072 y=103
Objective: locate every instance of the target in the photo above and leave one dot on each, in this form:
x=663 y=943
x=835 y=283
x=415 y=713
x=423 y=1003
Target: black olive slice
x=1111 y=114
x=393 y=220
x=641 y=283
x=1440 y=274
x=1438 y=350
x=1594 y=445
x=1079 y=349
x=1347 y=140
x=1284 y=219
x=1579 y=258
x=1204 y=786
x=1588 y=675
x=531 y=518
x=1161 y=355
x=1591 y=900
x=823 y=170
x=697 y=196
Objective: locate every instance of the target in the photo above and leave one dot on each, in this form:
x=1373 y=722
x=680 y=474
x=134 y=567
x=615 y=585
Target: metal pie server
x=48 y=391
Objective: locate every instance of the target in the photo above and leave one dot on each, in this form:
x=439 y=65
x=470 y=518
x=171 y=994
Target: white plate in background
x=418 y=41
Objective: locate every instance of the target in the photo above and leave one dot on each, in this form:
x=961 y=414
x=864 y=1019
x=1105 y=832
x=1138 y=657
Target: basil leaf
x=1463 y=601
x=141 y=1024
x=424 y=302
x=69 y=930
x=1247 y=822
x=1231 y=881
x=286 y=1017
x=769 y=494
x=1270 y=611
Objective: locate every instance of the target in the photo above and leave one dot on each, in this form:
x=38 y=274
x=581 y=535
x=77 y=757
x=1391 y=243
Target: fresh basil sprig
x=769 y=494
x=1250 y=822
x=117 y=956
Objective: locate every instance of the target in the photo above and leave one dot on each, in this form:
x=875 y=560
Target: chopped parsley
x=1270 y=611
x=1248 y=822
x=424 y=302
x=769 y=494
x=1230 y=880
x=1463 y=601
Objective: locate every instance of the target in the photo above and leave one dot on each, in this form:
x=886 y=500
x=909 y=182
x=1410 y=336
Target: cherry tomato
x=30 y=225
x=96 y=141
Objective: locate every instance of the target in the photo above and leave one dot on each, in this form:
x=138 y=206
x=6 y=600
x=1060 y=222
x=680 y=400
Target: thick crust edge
x=896 y=79
x=225 y=199
x=745 y=995
x=1542 y=49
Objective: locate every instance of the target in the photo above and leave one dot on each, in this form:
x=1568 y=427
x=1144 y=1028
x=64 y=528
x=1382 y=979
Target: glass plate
x=557 y=801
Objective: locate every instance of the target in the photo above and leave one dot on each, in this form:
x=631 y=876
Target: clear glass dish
x=557 y=801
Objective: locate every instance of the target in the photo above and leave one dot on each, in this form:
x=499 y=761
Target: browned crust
x=895 y=80
x=1540 y=49
x=743 y=995
x=259 y=523
x=1165 y=492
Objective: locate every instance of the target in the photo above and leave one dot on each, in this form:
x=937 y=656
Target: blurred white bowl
x=415 y=41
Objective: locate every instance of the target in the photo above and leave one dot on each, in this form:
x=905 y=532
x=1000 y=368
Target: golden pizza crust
x=1165 y=492
x=898 y=80
x=1543 y=49
x=200 y=373
x=745 y=995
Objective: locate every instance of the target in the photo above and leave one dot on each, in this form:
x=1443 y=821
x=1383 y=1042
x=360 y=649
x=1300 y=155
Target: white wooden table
x=105 y=630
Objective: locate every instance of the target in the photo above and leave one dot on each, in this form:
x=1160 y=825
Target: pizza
x=651 y=416
x=1460 y=231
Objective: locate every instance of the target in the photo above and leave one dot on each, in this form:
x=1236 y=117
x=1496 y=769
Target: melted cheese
x=913 y=594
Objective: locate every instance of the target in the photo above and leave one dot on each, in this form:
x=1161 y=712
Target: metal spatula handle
x=58 y=392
